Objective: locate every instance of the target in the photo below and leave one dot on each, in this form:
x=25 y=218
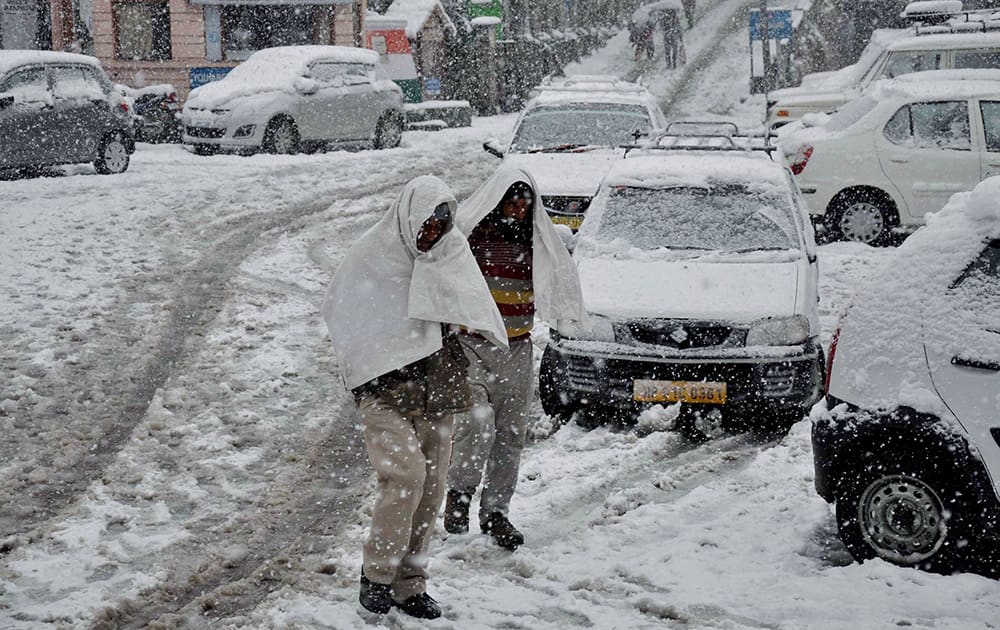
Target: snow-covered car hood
x=736 y=291
x=567 y=174
x=219 y=94
x=832 y=81
x=813 y=99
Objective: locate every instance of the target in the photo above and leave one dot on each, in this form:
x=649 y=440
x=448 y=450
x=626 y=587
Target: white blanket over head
x=387 y=300
x=555 y=281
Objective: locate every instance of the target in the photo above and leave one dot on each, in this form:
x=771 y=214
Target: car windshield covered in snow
x=579 y=125
x=729 y=218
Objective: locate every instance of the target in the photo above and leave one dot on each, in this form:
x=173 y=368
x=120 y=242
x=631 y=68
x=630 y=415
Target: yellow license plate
x=645 y=390
x=572 y=222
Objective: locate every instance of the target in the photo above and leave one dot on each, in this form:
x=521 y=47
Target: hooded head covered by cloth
x=555 y=282
x=386 y=303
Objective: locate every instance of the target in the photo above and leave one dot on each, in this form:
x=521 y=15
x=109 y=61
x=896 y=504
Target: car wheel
x=904 y=512
x=388 y=131
x=281 y=137
x=865 y=218
x=112 y=155
x=553 y=401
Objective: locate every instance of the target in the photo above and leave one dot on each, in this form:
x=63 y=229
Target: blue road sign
x=779 y=24
x=201 y=76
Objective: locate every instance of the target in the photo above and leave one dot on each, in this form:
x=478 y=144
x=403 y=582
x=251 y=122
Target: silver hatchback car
x=293 y=98
x=59 y=108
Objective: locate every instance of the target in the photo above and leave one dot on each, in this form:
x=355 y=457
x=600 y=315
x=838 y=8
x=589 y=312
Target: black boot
x=421 y=606
x=503 y=532
x=375 y=597
x=456 y=512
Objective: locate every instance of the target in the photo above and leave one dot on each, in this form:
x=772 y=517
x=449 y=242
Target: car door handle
x=899 y=161
x=992 y=366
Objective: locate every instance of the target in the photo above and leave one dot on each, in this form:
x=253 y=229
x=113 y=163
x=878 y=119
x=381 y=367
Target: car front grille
x=682 y=334
x=205 y=132
x=776 y=380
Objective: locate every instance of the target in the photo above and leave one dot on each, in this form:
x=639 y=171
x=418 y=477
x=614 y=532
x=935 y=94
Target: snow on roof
x=416 y=13
x=949 y=41
x=659 y=168
x=966 y=83
x=10 y=59
x=925 y=7
x=556 y=97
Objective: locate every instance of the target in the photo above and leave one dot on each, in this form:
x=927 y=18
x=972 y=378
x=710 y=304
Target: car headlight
x=599 y=328
x=779 y=331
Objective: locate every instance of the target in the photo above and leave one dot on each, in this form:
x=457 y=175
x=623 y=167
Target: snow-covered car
x=291 y=98
x=570 y=134
x=698 y=267
x=927 y=50
x=898 y=152
x=908 y=444
x=60 y=108
x=156 y=110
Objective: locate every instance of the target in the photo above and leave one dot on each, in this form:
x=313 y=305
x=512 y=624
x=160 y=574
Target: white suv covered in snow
x=910 y=447
x=977 y=46
x=699 y=272
x=570 y=134
x=290 y=98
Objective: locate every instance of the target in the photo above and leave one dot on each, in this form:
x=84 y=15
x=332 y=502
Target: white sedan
x=910 y=447
x=900 y=151
x=290 y=98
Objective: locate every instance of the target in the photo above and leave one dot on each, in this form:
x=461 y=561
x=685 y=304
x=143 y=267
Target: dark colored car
x=60 y=108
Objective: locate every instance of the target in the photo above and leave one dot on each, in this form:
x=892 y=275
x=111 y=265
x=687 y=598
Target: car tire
x=554 y=403
x=281 y=137
x=389 y=131
x=864 y=217
x=906 y=510
x=113 y=155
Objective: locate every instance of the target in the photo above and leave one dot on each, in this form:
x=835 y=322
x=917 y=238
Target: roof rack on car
x=699 y=135
x=959 y=21
x=590 y=82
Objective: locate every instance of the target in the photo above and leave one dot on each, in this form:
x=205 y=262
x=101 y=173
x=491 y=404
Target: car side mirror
x=567 y=236
x=6 y=101
x=306 y=86
x=493 y=147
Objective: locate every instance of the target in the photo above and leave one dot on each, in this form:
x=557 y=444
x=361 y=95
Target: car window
x=942 y=125
x=27 y=86
x=75 y=82
x=977 y=59
x=982 y=276
x=991 y=124
x=605 y=124
x=351 y=73
x=900 y=63
x=717 y=217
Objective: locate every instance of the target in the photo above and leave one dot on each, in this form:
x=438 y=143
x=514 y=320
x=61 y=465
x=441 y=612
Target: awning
x=271 y=2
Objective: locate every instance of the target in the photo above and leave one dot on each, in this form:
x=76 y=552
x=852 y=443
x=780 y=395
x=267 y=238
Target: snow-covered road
x=176 y=450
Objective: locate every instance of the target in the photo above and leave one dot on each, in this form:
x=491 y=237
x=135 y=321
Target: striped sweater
x=506 y=266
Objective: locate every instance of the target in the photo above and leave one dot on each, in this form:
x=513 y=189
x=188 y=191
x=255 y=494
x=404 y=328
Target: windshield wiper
x=747 y=250
x=566 y=148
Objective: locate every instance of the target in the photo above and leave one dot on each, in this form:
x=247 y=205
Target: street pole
x=766 y=45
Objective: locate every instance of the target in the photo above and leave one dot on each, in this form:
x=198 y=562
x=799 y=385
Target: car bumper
x=222 y=138
x=768 y=385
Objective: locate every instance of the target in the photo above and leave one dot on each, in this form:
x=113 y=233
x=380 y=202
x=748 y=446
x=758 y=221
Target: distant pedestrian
x=391 y=308
x=670 y=23
x=528 y=269
x=689 y=11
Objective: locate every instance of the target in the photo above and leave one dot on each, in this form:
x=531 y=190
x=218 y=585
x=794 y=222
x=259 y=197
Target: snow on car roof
x=966 y=83
x=10 y=59
x=660 y=168
x=274 y=69
x=557 y=97
x=947 y=41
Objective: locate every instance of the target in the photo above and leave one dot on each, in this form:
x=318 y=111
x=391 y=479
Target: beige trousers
x=410 y=456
